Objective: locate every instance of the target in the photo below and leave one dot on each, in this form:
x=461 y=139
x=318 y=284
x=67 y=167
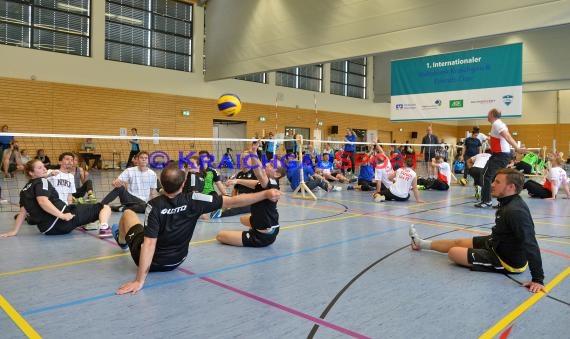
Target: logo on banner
x=455 y=103
x=405 y=106
x=507 y=99
x=483 y=101
x=436 y=105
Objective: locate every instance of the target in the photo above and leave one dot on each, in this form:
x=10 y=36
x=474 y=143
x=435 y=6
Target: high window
x=53 y=25
x=348 y=78
x=149 y=32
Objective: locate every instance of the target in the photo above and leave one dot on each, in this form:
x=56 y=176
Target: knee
x=129 y=214
x=457 y=255
x=220 y=237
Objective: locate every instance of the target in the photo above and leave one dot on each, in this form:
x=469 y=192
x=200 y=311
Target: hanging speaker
x=334 y=129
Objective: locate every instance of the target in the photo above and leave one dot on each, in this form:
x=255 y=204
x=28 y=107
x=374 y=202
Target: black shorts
x=254 y=238
x=482 y=256
x=391 y=196
x=135 y=239
x=83 y=214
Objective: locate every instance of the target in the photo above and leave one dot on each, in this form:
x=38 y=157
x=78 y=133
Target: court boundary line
x=17 y=319
x=526 y=305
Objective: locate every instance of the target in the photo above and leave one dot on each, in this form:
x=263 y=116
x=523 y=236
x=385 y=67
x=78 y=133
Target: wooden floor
x=341 y=267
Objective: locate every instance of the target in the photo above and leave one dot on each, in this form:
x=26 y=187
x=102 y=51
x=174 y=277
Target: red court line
x=280 y=307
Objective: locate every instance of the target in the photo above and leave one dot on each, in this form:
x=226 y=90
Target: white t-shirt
x=404 y=179
x=381 y=174
x=480 y=160
x=555 y=178
x=64 y=184
x=498 y=142
x=444 y=172
x=139 y=183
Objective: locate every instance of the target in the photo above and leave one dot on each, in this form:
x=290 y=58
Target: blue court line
x=205 y=274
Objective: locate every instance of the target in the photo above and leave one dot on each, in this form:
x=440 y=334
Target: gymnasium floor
x=341 y=267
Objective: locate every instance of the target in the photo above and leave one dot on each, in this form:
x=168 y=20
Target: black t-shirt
x=194 y=182
x=172 y=221
x=264 y=213
x=249 y=175
x=40 y=187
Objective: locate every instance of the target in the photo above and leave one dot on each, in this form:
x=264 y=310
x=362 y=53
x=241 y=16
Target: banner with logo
x=459 y=85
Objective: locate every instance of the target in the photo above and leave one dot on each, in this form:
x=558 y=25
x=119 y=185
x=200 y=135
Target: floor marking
x=63 y=264
x=281 y=307
x=18 y=319
x=509 y=318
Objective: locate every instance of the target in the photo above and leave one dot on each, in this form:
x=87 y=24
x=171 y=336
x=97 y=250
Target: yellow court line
x=77 y=262
x=423 y=222
x=18 y=319
x=498 y=327
x=351 y=215
x=63 y=264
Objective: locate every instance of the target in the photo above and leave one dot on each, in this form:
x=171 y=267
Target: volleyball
x=377 y=197
x=229 y=104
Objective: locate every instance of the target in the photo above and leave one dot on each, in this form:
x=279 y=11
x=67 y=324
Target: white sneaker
x=93 y=226
x=337 y=188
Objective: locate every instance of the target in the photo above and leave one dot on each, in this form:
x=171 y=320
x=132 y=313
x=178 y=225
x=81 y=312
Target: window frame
x=150 y=52
x=30 y=27
x=346 y=72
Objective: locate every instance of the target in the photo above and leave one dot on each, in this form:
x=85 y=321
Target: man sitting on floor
x=162 y=243
x=510 y=247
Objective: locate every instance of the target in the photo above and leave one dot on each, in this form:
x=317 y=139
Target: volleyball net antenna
x=105 y=157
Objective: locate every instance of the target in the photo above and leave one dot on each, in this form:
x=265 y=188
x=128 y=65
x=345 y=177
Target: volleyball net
x=105 y=157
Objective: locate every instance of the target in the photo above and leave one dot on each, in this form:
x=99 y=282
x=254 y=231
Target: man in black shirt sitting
x=510 y=247
x=263 y=223
x=170 y=220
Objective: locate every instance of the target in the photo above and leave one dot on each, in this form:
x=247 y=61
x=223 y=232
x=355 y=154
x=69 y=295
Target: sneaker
x=496 y=206
x=477 y=192
x=421 y=187
x=349 y=188
x=414 y=237
x=483 y=204
x=115 y=232
x=463 y=181
x=105 y=232
x=337 y=188
x=91 y=198
x=216 y=214
x=118 y=208
x=92 y=226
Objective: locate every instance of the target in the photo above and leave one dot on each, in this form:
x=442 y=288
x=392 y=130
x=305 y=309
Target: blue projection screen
x=459 y=85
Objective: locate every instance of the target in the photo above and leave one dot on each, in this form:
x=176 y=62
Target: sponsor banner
x=468 y=104
x=447 y=85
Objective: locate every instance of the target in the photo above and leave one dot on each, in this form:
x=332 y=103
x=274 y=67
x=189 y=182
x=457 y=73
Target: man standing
x=500 y=139
x=429 y=151
x=510 y=247
x=471 y=146
x=162 y=244
x=135 y=147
